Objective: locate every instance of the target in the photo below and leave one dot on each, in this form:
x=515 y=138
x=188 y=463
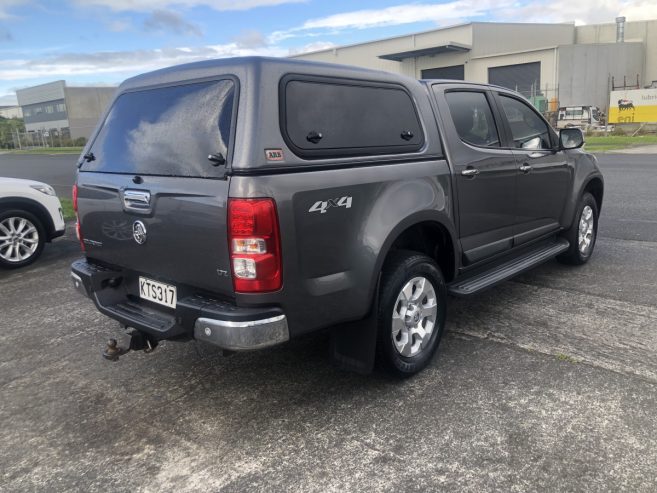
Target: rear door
x=149 y=198
x=544 y=175
x=485 y=173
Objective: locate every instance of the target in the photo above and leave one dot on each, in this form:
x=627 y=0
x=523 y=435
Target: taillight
x=254 y=242
x=78 y=233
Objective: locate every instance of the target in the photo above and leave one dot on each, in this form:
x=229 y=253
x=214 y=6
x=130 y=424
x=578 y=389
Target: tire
x=403 y=351
x=22 y=237
x=581 y=249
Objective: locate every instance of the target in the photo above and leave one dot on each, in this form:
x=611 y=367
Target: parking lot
x=544 y=383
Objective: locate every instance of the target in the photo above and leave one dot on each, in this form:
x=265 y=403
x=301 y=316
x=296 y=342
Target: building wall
x=85 y=107
x=495 y=38
x=585 y=71
x=33 y=102
x=635 y=31
x=366 y=54
x=11 y=112
x=493 y=44
x=42 y=93
x=46 y=126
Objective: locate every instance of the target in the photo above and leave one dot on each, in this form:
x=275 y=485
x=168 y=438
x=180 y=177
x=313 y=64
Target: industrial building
x=11 y=112
x=555 y=65
x=56 y=108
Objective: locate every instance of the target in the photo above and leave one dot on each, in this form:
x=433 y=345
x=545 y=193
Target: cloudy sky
x=105 y=41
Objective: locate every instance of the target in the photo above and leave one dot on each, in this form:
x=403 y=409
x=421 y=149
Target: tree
x=8 y=129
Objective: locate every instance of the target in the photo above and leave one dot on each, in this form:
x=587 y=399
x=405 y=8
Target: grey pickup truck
x=245 y=202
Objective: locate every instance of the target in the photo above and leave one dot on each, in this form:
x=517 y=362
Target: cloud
x=310 y=47
x=169 y=21
x=125 y=63
x=250 y=38
x=441 y=14
x=6 y=5
x=399 y=14
x=119 y=25
x=149 y=5
x=8 y=100
x=5 y=35
x=582 y=12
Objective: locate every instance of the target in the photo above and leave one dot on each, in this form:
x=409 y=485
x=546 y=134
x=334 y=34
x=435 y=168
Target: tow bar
x=138 y=342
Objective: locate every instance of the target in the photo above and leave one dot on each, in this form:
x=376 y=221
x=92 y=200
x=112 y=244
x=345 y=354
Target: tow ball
x=138 y=342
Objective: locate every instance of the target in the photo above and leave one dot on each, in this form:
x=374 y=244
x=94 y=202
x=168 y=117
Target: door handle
x=470 y=172
x=535 y=155
x=525 y=168
x=136 y=200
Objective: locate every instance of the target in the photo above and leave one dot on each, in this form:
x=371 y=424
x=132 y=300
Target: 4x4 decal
x=323 y=206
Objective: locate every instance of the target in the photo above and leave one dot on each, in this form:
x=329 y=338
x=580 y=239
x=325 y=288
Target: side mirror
x=571 y=138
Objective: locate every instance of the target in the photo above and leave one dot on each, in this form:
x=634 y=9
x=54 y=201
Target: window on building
x=349 y=119
x=528 y=129
x=473 y=118
x=61 y=107
x=49 y=108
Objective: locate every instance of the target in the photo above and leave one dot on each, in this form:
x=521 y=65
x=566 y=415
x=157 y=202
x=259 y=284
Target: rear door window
x=167 y=131
x=473 y=118
x=322 y=119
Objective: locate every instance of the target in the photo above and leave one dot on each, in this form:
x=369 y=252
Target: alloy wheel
x=585 y=232
x=414 y=316
x=19 y=239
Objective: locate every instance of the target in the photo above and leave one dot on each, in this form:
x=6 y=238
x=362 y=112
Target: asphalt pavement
x=547 y=382
x=57 y=170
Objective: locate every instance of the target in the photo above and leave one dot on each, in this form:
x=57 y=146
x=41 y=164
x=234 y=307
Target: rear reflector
x=254 y=242
x=78 y=233
x=75 y=197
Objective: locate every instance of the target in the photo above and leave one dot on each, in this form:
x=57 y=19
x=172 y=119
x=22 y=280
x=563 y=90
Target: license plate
x=157 y=292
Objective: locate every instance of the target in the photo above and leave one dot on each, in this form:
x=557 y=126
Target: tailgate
x=152 y=190
x=179 y=237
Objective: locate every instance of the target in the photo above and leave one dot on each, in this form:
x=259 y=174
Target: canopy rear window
x=167 y=131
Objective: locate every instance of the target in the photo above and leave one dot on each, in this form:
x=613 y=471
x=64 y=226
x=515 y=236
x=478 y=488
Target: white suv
x=30 y=216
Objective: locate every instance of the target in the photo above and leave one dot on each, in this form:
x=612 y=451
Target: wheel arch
x=594 y=186
x=427 y=232
x=33 y=207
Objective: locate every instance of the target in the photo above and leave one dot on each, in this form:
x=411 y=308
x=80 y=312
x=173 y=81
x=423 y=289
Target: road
x=545 y=383
x=58 y=170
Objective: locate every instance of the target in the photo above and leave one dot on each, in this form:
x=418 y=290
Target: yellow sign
x=633 y=106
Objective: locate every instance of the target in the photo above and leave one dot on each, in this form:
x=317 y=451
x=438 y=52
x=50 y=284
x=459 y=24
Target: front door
x=485 y=173
x=544 y=175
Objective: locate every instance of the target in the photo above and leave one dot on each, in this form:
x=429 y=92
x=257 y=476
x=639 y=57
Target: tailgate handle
x=136 y=200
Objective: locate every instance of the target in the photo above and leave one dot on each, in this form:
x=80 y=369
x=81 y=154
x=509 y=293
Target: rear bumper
x=220 y=323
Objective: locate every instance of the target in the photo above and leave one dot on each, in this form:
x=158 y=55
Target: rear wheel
x=411 y=313
x=582 y=234
x=22 y=238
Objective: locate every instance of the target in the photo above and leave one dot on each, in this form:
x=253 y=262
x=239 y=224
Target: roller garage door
x=519 y=77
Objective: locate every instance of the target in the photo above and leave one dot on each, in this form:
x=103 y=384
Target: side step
x=507 y=270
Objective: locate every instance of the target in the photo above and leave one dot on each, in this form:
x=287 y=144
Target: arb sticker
x=274 y=154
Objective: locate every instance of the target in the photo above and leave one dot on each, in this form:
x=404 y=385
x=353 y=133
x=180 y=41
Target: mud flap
x=353 y=344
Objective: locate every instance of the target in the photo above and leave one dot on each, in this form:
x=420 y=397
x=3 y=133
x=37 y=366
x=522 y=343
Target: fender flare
x=30 y=205
x=580 y=194
x=425 y=216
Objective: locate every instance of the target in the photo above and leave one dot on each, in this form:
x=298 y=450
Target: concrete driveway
x=545 y=383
